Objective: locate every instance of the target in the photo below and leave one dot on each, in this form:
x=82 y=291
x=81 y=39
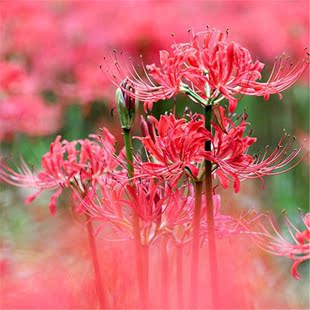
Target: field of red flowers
x=154 y=154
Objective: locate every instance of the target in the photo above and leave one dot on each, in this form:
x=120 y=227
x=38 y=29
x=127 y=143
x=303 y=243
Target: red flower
x=218 y=67
x=80 y=163
x=173 y=146
x=168 y=77
x=208 y=69
x=230 y=156
x=267 y=236
x=283 y=75
x=161 y=207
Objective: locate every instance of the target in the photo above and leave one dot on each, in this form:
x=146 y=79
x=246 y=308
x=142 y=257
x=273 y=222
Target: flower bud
x=126 y=105
x=148 y=128
x=144 y=128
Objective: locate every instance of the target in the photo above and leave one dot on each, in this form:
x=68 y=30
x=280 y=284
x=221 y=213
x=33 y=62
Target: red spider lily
x=81 y=162
x=161 y=210
x=229 y=150
x=226 y=69
x=232 y=162
x=173 y=147
x=268 y=237
x=208 y=69
x=147 y=91
x=283 y=75
x=218 y=67
x=158 y=206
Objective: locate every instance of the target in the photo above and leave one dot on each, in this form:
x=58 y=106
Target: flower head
x=208 y=69
x=296 y=247
x=126 y=105
x=81 y=163
x=173 y=146
x=231 y=160
x=160 y=207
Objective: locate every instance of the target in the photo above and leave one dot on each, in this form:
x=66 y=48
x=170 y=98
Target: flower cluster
x=168 y=190
x=173 y=147
x=79 y=164
x=209 y=69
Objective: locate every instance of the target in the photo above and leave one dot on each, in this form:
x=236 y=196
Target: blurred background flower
x=51 y=84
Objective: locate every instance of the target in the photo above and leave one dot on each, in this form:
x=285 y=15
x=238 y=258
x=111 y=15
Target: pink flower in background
x=21 y=109
x=88 y=30
x=13 y=77
x=15 y=80
x=29 y=115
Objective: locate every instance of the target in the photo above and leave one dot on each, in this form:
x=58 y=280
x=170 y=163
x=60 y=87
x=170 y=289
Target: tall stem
x=129 y=152
x=164 y=274
x=135 y=221
x=180 y=276
x=94 y=255
x=195 y=245
x=146 y=271
x=210 y=216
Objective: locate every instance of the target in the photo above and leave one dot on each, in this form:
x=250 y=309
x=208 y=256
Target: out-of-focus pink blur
x=59 y=46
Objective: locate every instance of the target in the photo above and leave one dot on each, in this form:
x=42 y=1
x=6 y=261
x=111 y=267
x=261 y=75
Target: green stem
x=135 y=222
x=195 y=245
x=210 y=216
x=192 y=94
x=129 y=152
x=94 y=255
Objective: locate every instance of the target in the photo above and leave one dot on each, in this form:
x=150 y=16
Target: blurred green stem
x=94 y=255
x=179 y=268
x=195 y=244
x=164 y=273
x=210 y=216
x=141 y=258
